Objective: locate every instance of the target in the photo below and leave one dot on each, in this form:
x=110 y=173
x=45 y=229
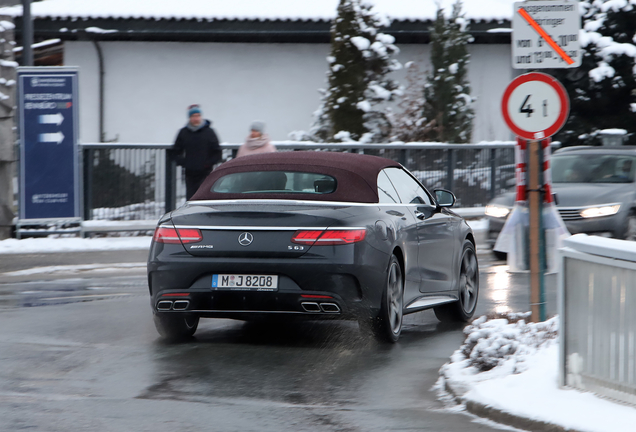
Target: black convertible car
x=315 y=235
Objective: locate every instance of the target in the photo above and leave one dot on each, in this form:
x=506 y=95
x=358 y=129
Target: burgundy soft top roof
x=356 y=175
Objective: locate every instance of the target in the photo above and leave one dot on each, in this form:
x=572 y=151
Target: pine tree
x=602 y=90
x=447 y=100
x=358 y=66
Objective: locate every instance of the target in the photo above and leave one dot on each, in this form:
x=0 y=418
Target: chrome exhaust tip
x=310 y=306
x=330 y=307
x=164 y=305
x=181 y=305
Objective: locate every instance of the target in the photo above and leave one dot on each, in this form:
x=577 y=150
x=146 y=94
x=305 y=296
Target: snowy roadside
x=507 y=371
x=72 y=244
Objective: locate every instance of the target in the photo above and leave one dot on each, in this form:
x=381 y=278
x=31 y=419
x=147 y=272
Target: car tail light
x=166 y=235
x=189 y=235
x=175 y=236
x=328 y=237
x=306 y=237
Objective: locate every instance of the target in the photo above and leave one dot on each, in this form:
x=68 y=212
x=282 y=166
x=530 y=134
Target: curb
x=502 y=417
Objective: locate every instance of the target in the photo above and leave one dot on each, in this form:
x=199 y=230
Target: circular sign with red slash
x=535 y=106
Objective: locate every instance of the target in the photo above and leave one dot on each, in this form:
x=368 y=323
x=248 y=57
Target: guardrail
x=136 y=181
x=597 y=293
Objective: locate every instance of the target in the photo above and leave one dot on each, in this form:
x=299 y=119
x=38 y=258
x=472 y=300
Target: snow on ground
x=80 y=268
x=72 y=244
x=513 y=367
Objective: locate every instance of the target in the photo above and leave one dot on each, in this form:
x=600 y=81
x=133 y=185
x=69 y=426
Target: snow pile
x=510 y=366
x=504 y=341
x=495 y=347
x=251 y=9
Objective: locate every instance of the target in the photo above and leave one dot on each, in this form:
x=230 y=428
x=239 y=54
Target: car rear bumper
x=248 y=305
x=311 y=287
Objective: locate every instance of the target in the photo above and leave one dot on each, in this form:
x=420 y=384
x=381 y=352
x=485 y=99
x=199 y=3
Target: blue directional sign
x=49 y=157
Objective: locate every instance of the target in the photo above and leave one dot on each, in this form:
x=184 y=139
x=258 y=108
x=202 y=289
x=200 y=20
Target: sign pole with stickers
x=49 y=180
x=535 y=106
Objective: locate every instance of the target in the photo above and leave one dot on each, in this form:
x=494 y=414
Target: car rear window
x=275 y=182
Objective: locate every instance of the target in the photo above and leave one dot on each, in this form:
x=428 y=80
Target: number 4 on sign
x=526 y=109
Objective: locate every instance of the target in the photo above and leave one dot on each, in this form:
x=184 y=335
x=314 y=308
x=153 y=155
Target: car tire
x=630 y=228
x=176 y=327
x=468 y=290
x=387 y=326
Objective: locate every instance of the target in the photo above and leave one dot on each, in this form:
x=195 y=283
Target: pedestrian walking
x=257 y=141
x=196 y=149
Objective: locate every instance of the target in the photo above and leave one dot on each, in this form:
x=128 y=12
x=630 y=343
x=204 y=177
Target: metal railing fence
x=136 y=181
x=597 y=291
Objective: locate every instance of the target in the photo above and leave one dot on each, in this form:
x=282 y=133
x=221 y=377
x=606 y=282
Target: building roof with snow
x=246 y=20
x=320 y=10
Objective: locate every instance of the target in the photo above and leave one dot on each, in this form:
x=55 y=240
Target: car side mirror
x=445 y=198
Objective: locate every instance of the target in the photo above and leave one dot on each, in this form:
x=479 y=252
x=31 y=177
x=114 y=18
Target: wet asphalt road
x=79 y=352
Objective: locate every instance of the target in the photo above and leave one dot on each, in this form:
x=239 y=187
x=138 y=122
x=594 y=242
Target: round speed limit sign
x=535 y=106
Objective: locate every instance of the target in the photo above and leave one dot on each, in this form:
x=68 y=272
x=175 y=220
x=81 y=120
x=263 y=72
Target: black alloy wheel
x=387 y=326
x=468 y=290
x=176 y=327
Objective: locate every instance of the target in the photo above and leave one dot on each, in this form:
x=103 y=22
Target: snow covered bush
x=603 y=90
x=447 y=100
x=359 y=63
x=492 y=340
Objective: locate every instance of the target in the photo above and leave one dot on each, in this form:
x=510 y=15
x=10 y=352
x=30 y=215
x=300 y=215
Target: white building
x=240 y=60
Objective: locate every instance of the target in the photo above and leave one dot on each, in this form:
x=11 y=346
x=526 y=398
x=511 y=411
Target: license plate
x=241 y=282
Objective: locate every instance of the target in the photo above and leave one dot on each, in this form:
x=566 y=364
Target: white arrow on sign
x=56 y=119
x=56 y=137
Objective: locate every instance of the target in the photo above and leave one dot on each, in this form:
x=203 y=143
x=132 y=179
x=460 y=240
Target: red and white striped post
x=547 y=173
x=520 y=169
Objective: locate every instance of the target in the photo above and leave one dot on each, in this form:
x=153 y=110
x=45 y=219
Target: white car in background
x=594 y=190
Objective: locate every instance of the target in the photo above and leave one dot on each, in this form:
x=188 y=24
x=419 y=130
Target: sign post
x=535 y=106
x=49 y=155
x=545 y=34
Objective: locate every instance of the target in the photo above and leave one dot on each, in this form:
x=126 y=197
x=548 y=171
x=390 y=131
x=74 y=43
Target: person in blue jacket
x=196 y=149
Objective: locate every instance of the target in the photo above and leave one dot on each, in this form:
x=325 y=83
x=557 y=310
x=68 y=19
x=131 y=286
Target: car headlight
x=600 y=211
x=497 y=211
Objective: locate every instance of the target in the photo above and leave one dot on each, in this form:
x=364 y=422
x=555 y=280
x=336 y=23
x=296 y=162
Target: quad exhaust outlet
x=179 y=305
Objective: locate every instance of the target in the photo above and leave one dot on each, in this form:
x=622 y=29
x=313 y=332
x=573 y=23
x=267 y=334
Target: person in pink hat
x=257 y=141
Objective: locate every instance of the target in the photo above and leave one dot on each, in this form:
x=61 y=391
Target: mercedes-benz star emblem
x=245 y=239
